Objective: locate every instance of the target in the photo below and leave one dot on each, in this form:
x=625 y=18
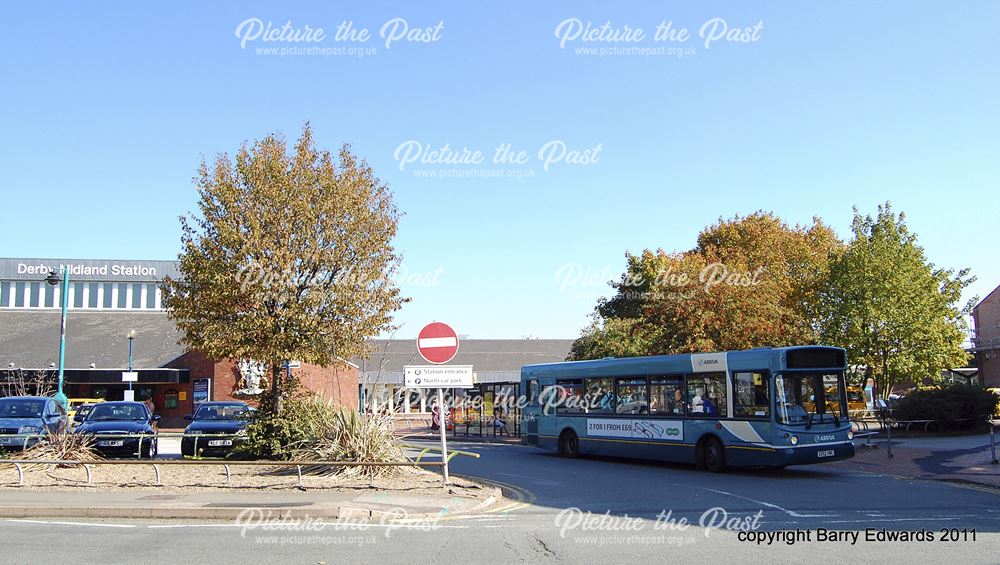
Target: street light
x=131 y=338
x=53 y=280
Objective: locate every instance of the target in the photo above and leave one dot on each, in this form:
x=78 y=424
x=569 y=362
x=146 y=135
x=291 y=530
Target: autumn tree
x=749 y=282
x=894 y=311
x=290 y=256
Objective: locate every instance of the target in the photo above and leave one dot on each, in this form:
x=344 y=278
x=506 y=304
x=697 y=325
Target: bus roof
x=798 y=357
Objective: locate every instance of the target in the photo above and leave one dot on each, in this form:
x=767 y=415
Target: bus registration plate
x=827 y=453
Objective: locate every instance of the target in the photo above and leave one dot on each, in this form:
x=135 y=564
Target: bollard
x=889 y=435
x=993 y=445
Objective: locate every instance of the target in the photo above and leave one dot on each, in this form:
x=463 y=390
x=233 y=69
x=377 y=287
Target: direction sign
x=437 y=343
x=130 y=377
x=436 y=376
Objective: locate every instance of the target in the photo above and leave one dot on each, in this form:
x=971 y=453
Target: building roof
x=485 y=355
x=30 y=339
x=995 y=293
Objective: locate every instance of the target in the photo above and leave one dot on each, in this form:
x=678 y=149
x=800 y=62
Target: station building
x=986 y=339
x=496 y=369
x=108 y=300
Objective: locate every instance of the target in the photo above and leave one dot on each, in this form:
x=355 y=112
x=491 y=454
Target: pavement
x=966 y=459
x=360 y=506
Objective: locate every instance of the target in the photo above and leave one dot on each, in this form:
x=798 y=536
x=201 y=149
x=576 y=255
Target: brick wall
x=987 y=320
x=339 y=383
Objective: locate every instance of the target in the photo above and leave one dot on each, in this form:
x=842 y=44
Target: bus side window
x=666 y=395
x=707 y=394
x=751 y=394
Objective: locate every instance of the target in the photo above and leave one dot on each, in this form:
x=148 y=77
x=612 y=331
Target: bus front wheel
x=710 y=455
x=569 y=444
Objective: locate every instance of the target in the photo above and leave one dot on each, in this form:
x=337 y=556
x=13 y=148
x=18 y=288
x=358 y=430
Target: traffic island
x=201 y=492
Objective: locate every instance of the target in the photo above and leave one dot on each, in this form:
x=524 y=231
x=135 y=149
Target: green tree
x=895 y=313
x=290 y=257
x=750 y=281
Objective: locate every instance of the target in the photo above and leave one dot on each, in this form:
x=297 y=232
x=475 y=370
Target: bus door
x=752 y=404
x=531 y=412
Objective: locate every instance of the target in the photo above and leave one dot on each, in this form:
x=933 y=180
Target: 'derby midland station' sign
x=87 y=269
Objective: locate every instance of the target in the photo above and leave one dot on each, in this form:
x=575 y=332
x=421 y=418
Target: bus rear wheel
x=569 y=444
x=714 y=455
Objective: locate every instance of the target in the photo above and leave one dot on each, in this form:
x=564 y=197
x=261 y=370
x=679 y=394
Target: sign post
x=437 y=342
x=130 y=377
x=443 y=428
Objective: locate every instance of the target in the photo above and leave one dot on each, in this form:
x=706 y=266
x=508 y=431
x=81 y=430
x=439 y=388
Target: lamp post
x=53 y=280
x=131 y=338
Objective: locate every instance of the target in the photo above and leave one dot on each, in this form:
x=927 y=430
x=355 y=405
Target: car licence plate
x=827 y=453
x=111 y=443
x=219 y=442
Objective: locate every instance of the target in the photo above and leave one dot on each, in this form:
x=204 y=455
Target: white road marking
x=58 y=523
x=791 y=513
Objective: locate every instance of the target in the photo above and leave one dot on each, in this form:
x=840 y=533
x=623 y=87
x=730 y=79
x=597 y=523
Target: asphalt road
x=547 y=521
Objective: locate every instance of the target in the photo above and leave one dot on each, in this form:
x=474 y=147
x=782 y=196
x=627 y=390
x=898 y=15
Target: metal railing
x=887 y=424
x=141 y=437
x=20 y=464
x=424 y=450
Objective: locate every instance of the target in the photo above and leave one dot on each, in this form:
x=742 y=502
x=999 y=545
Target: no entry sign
x=437 y=343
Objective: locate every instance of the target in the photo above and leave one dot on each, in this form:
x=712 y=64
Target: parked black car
x=126 y=422
x=213 y=419
x=29 y=416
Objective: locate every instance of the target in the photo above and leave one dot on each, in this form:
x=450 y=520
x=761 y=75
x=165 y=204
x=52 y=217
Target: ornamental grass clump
x=62 y=446
x=340 y=434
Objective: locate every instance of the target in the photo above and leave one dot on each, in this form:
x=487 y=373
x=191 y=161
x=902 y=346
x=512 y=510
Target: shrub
x=956 y=407
x=310 y=428
x=349 y=436
x=274 y=437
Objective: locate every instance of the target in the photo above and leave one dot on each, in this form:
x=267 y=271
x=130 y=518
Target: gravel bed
x=190 y=478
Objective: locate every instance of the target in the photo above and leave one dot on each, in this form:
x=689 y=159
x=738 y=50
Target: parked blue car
x=24 y=418
x=213 y=419
x=127 y=423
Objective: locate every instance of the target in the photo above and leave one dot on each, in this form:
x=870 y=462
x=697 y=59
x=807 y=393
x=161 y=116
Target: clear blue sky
x=108 y=108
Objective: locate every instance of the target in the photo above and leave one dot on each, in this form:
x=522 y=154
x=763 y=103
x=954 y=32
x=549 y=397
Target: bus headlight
x=794 y=440
x=850 y=435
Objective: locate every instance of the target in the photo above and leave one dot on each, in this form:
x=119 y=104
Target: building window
x=92 y=297
x=78 y=295
x=122 y=295
x=50 y=296
x=5 y=294
x=151 y=296
x=19 y=287
x=707 y=394
x=36 y=290
x=106 y=299
x=751 y=399
x=632 y=396
x=137 y=296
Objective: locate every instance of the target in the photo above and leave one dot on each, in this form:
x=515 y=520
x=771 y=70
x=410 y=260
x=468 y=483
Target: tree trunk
x=276 y=387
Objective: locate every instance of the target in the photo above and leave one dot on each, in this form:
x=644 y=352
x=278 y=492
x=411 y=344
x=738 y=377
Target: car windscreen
x=106 y=412
x=20 y=408
x=220 y=412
